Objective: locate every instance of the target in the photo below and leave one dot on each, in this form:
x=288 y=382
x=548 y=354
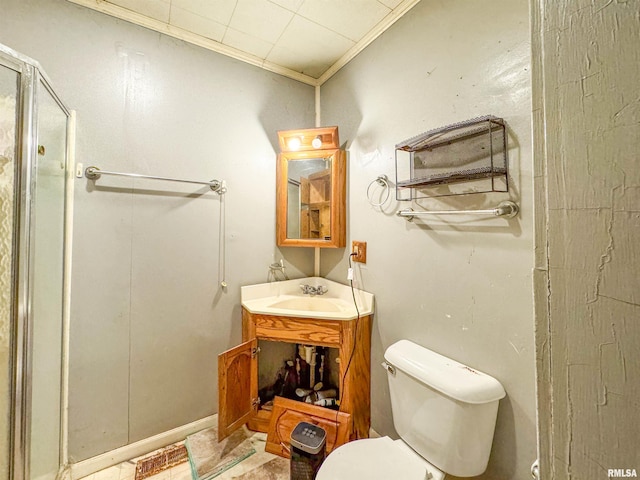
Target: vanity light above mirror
x=311 y=189
x=324 y=138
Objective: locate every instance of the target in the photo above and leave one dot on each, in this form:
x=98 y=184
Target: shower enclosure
x=34 y=179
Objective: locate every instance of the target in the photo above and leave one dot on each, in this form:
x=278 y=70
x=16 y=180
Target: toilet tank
x=444 y=410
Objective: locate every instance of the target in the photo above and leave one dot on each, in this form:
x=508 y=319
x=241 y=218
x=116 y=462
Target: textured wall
x=148 y=318
x=461 y=286
x=587 y=99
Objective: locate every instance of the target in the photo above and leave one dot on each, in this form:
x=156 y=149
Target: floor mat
x=209 y=458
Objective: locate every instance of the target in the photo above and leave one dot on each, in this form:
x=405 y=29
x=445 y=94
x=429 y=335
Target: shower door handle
x=535 y=470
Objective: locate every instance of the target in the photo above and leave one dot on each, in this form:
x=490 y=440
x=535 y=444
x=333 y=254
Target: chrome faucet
x=313 y=291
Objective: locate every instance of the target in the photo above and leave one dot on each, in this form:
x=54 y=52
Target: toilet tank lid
x=449 y=377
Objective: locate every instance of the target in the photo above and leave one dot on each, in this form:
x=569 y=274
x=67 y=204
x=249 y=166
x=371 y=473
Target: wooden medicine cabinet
x=311 y=189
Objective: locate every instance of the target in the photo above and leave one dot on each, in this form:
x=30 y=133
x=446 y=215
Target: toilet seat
x=376 y=459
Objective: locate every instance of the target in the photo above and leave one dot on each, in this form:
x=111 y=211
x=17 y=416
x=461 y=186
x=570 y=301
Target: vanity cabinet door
x=237 y=387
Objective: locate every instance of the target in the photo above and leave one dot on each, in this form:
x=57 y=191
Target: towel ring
x=383 y=181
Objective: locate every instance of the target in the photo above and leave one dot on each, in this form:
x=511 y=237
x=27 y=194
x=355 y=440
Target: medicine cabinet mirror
x=310 y=189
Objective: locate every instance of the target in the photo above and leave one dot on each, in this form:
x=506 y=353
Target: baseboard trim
x=122 y=454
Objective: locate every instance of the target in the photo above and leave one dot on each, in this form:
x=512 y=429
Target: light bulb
x=317 y=142
x=294 y=143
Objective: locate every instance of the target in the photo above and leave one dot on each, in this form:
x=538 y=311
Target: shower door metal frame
x=20 y=363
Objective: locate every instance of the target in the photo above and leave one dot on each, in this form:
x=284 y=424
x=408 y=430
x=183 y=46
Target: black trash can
x=307 y=451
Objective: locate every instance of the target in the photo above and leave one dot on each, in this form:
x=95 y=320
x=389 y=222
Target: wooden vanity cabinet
x=238 y=368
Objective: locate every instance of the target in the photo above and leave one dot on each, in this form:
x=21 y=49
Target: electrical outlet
x=360 y=249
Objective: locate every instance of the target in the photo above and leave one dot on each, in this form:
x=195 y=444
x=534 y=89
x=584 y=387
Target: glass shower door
x=33 y=180
x=47 y=237
x=8 y=114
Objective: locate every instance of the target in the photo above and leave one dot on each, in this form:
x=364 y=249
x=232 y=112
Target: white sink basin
x=311 y=304
x=286 y=299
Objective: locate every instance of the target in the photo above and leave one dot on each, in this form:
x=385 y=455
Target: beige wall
x=461 y=286
x=587 y=99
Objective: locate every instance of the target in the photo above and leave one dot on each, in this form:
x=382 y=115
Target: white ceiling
x=308 y=40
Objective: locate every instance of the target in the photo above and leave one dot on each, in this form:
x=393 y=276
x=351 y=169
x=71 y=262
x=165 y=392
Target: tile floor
x=127 y=470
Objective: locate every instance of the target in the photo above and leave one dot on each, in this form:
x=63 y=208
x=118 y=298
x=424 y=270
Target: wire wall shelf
x=466 y=157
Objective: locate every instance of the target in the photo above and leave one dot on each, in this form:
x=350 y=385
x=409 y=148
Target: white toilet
x=444 y=412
